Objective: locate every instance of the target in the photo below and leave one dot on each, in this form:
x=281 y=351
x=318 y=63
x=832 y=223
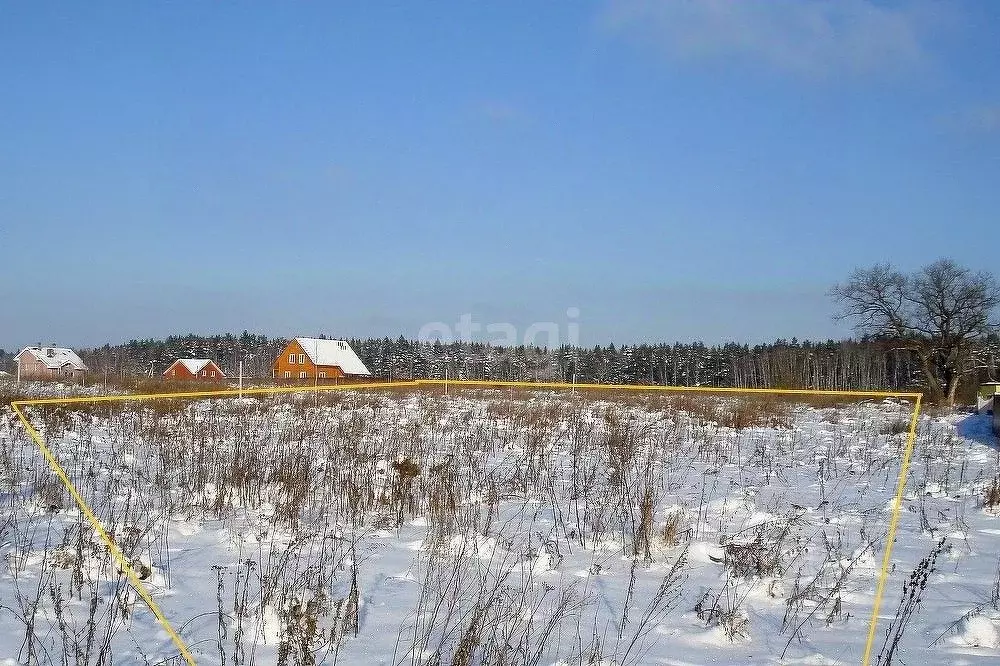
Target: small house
x=194 y=369
x=50 y=363
x=988 y=400
x=317 y=358
x=986 y=397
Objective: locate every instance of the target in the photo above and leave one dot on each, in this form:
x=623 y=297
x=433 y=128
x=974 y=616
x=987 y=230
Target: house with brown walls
x=50 y=363
x=318 y=358
x=194 y=369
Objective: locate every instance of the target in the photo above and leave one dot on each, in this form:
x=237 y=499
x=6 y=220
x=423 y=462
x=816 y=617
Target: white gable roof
x=333 y=352
x=55 y=358
x=194 y=365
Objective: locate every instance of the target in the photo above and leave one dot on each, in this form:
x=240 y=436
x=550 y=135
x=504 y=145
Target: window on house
x=173 y=373
x=302 y=375
x=213 y=373
x=322 y=375
x=302 y=359
x=288 y=374
x=204 y=373
x=291 y=358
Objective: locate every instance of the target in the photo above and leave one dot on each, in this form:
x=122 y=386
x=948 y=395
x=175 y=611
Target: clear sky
x=674 y=170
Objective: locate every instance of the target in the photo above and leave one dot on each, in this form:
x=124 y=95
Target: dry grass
x=897 y=427
x=991 y=494
x=674 y=529
x=332 y=467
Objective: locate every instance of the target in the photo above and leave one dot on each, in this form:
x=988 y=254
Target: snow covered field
x=496 y=527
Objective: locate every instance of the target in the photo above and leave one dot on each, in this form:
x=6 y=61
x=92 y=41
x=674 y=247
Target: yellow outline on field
x=136 y=583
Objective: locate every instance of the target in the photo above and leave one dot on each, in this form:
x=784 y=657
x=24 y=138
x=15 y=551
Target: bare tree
x=940 y=312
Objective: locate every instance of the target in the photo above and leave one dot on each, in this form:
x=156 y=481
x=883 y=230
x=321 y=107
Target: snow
x=55 y=358
x=333 y=353
x=979 y=631
x=194 y=365
x=523 y=510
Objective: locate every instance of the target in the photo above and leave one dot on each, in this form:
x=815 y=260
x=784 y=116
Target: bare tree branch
x=941 y=312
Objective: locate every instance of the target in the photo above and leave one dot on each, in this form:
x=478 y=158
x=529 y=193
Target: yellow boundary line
x=113 y=548
x=136 y=583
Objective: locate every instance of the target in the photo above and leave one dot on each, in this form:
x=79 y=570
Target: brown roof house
x=50 y=363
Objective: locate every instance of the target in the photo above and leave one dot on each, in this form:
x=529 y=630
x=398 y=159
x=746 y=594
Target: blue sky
x=674 y=170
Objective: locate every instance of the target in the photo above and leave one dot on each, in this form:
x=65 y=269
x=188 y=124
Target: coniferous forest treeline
x=845 y=364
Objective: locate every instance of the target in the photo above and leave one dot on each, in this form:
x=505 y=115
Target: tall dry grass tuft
x=991 y=494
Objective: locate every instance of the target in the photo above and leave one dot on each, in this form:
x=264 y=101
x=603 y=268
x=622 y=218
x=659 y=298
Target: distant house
x=50 y=363
x=985 y=396
x=988 y=400
x=315 y=358
x=192 y=369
